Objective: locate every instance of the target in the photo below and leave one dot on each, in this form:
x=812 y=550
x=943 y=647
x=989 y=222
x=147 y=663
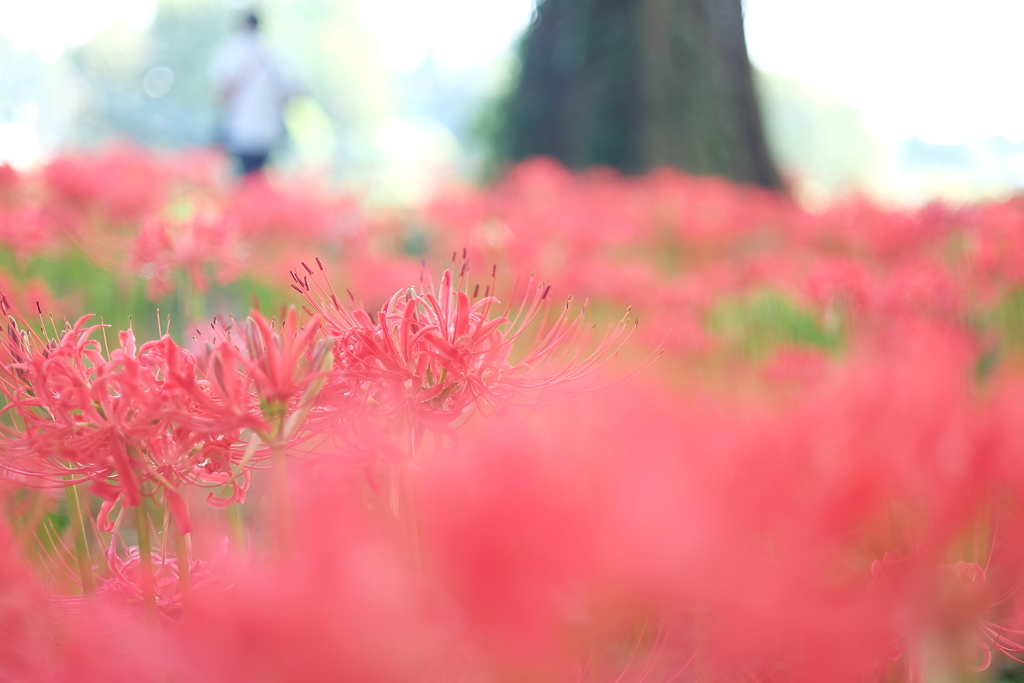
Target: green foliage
x=82 y=286
x=79 y=285
x=757 y=323
x=1012 y=674
x=1003 y=327
x=1006 y=321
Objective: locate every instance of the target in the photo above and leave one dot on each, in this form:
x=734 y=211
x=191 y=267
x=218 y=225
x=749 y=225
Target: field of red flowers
x=569 y=427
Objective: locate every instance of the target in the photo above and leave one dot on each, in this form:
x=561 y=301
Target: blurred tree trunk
x=637 y=84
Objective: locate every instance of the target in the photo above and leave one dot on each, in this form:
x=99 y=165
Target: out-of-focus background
x=902 y=100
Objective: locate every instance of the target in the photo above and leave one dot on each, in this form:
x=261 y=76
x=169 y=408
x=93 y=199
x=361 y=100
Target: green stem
x=237 y=524
x=403 y=502
x=193 y=304
x=81 y=541
x=183 y=557
x=282 y=503
x=410 y=514
x=146 y=557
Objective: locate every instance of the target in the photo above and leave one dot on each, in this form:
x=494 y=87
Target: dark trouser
x=249 y=163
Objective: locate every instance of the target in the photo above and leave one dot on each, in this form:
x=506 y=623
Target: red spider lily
x=813 y=517
x=430 y=357
x=120 y=184
x=10 y=182
x=162 y=248
x=968 y=599
x=131 y=425
x=124 y=585
x=281 y=370
x=262 y=209
x=284 y=370
x=946 y=606
x=26 y=231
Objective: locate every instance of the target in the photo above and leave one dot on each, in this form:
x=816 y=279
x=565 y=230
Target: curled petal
x=238 y=489
x=103 y=521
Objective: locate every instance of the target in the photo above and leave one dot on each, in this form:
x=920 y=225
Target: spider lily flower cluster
x=819 y=479
x=566 y=554
x=142 y=427
x=432 y=355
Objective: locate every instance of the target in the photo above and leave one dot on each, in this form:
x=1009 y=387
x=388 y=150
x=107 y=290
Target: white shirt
x=256 y=89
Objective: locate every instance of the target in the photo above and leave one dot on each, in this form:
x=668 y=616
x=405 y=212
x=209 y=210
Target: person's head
x=251 y=22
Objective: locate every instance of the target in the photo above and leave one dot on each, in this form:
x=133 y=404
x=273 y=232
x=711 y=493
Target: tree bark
x=638 y=84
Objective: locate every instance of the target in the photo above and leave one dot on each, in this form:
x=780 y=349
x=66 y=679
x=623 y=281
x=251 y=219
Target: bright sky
x=459 y=33
x=50 y=26
x=947 y=72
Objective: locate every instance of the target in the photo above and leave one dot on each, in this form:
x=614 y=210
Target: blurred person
x=253 y=88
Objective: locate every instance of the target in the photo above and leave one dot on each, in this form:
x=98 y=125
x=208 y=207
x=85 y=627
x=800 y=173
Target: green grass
x=758 y=323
